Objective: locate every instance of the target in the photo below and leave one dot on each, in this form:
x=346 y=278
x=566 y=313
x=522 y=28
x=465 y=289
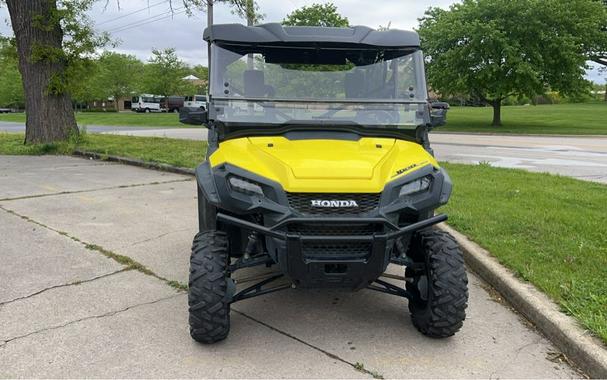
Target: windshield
x=311 y=85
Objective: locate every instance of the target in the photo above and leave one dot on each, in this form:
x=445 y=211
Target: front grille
x=335 y=250
x=321 y=229
x=332 y=251
x=302 y=202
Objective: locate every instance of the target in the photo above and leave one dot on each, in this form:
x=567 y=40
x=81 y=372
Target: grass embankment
x=130 y=119
x=558 y=119
x=550 y=230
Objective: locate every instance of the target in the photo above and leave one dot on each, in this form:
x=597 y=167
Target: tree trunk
x=49 y=117
x=497 y=113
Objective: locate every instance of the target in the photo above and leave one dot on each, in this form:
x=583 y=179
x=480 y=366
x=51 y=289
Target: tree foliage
x=600 y=57
x=164 y=72
x=11 y=89
x=119 y=75
x=492 y=49
x=316 y=15
x=79 y=46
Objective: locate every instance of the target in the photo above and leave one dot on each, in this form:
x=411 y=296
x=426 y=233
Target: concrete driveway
x=71 y=307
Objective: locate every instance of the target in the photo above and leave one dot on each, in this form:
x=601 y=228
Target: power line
x=149 y=20
x=132 y=13
x=167 y=13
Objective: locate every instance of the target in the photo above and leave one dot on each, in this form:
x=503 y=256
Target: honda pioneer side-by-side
x=319 y=166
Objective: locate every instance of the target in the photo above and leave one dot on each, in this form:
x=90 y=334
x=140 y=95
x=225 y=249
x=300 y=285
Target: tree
x=119 y=75
x=316 y=15
x=53 y=39
x=164 y=73
x=492 y=49
x=11 y=89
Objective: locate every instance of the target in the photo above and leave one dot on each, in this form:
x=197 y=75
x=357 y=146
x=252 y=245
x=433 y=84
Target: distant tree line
x=115 y=75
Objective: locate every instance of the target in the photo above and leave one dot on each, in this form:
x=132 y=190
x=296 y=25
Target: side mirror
x=193 y=116
x=438 y=113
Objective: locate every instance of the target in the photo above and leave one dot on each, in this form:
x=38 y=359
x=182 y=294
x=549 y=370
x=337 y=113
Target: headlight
x=243 y=186
x=416 y=186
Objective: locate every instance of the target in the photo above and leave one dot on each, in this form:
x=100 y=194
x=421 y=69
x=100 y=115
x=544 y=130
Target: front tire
x=208 y=297
x=440 y=290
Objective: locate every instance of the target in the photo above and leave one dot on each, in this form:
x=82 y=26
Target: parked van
x=146 y=103
x=196 y=101
x=172 y=103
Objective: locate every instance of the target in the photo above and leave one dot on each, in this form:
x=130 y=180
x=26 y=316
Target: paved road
x=579 y=157
x=67 y=310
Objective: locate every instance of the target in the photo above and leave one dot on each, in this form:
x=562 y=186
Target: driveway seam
x=356 y=366
x=74 y=283
x=98 y=316
x=94 y=190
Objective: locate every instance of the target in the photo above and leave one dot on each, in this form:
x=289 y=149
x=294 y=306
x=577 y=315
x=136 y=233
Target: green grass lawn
x=563 y=119
x=114 y=118
x=550 y=230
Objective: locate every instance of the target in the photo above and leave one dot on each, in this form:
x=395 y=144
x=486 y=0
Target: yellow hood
x=325 y=166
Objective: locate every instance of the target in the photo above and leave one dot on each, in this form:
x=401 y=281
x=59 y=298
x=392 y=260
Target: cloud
x=142 y=25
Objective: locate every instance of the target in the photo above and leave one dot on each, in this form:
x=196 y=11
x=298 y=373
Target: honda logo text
x=324 y=203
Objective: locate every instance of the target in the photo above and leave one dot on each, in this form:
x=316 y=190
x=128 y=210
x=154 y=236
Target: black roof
x=275 y=33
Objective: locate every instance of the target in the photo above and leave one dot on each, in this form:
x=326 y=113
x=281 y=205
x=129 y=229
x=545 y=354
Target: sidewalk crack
x=3 y=343
x=356 y=366
x=158 y=237
x=74 y=283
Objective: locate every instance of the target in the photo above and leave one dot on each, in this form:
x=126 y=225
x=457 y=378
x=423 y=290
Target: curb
x=135 y=162
x=575 y=342
x=562 y=330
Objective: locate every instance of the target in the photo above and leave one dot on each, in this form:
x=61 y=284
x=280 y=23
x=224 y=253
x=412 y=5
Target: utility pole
x=209 y=25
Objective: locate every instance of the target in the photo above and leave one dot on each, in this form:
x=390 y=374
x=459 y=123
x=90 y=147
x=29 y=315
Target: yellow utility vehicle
x=319 y=166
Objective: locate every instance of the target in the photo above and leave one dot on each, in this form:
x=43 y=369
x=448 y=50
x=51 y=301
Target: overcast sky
x=141 y=25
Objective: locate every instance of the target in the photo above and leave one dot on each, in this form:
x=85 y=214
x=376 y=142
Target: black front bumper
x=325 y=248
x=366 y=256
